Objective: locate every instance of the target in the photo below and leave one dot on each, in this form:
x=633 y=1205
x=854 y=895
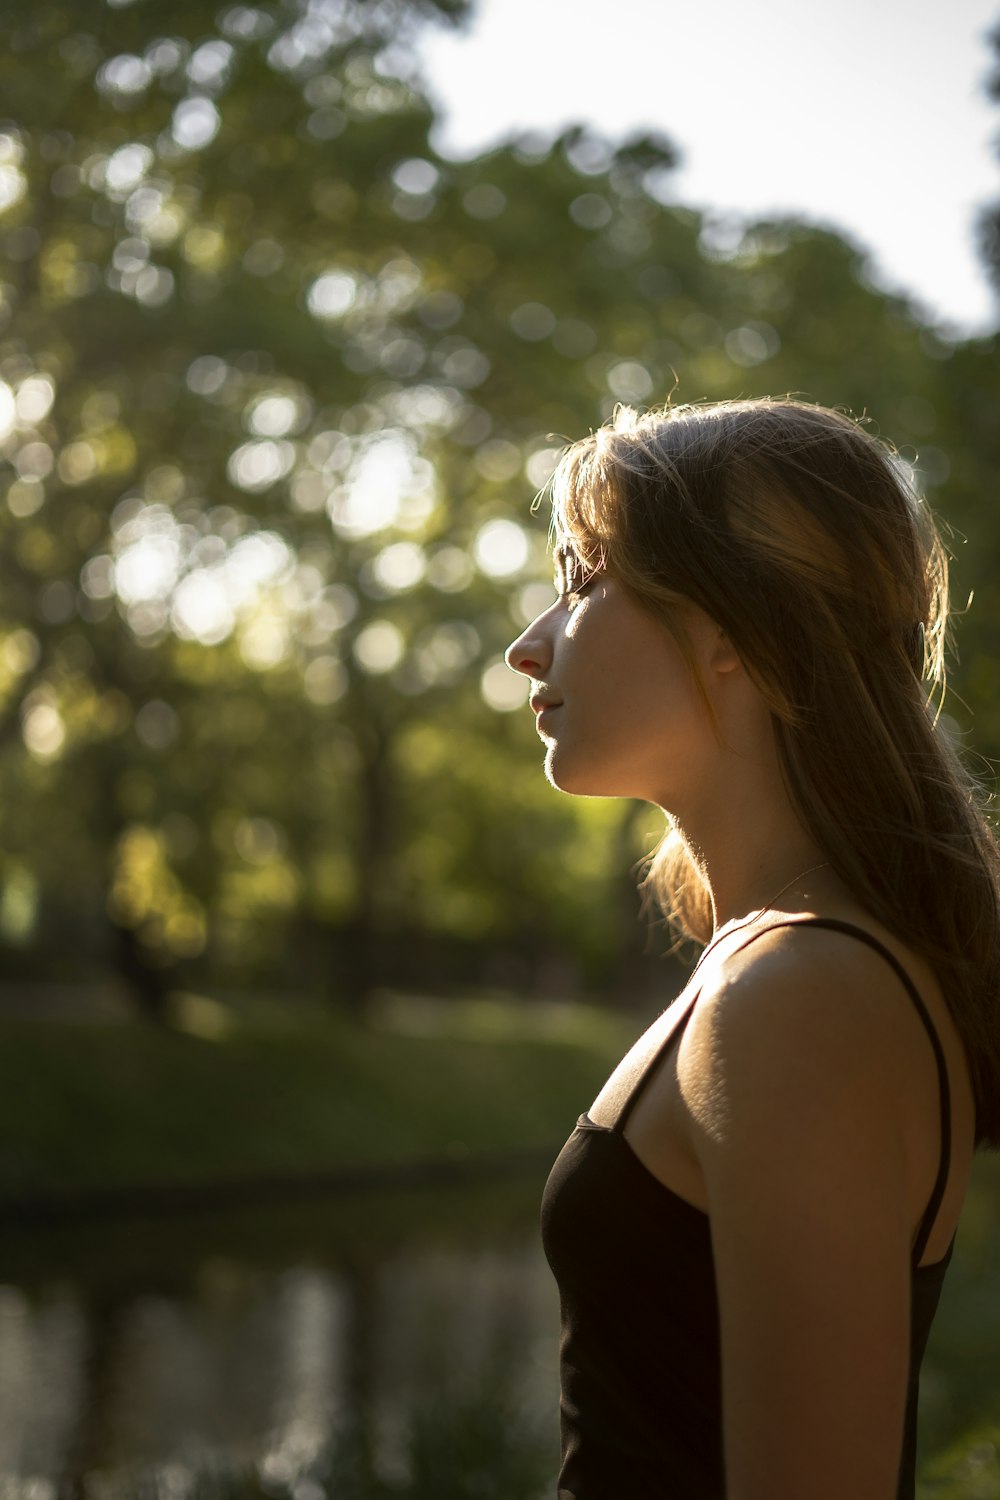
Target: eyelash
x=573 y=597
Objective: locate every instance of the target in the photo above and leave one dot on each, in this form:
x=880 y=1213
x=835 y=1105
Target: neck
x=747 y=841
x=742 y=882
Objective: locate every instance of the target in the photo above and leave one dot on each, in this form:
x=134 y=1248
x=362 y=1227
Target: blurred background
x=306 y=972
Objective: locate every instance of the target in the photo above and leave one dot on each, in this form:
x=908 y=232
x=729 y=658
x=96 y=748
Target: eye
x=571 y=580
x=567 y=573
x=573 y=597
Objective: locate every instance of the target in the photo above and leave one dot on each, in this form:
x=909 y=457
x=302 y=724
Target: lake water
x=397 y=1343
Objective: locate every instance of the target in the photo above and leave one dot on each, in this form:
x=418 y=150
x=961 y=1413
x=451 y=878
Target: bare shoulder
x=811 y=1108
x=802 y=1018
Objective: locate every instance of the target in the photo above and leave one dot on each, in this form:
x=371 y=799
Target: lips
x=544 y=709
x=538 y=704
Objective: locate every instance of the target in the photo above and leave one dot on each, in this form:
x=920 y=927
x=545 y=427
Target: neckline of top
x=933 y=1268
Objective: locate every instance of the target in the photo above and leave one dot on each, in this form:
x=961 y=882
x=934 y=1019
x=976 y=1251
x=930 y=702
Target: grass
x=235 y=1090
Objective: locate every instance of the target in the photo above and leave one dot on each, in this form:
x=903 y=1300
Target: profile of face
x=616 y=704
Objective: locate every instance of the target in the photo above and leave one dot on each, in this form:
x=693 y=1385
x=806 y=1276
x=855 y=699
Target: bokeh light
x=379 y=647
x=500 y=548
x=503 y=690
x=195 y=123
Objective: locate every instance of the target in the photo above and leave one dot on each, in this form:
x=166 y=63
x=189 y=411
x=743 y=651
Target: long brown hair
x=799 y=533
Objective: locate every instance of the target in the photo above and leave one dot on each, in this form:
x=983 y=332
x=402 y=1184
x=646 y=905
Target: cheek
x=646 y=665
x=653 y=700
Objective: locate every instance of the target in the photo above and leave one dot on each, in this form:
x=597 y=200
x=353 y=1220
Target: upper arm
x=798 y=1126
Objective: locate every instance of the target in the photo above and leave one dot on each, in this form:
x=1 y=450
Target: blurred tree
x=989 y=223
x=146 y=230
x=276 y=380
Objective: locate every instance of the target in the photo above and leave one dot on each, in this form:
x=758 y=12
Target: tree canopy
x=277 y=387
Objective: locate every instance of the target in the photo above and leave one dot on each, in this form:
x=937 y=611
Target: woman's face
x=617 y=708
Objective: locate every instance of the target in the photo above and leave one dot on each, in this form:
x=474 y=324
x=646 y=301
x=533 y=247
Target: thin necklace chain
x=755 y=916
x=823 y=864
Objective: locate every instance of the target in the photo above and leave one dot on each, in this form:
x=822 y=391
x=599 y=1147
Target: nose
x=530 y=654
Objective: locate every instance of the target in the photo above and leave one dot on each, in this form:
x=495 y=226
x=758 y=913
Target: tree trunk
x=366 y=969
x=147 y=985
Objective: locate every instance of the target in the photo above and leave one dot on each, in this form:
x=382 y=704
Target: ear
x=723 y=656
x=716 y=653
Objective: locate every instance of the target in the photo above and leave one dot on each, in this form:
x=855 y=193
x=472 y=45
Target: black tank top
x=640 y=1376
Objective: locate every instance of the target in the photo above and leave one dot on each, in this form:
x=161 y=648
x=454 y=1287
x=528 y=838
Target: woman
x=751 y=1225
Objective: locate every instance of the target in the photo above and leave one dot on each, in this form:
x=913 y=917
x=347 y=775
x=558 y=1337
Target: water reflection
x=357 y=1369
x=42 y=1356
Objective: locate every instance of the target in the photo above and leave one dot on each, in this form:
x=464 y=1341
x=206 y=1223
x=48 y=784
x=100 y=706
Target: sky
x=870 y=116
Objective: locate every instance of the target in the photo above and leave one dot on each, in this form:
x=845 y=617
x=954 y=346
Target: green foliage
x=276 y=367
x=969 y=1470
x=236 y=1097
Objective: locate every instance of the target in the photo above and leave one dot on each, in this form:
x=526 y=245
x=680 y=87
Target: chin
x=578 y=782
x=559 y=775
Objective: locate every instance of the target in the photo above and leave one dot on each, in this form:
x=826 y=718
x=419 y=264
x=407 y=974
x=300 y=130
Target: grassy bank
x=236 y=1090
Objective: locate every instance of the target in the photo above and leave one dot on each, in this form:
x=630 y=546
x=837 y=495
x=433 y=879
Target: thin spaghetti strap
x=684 y=1015
x=834 y=924
x=684 y=1012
